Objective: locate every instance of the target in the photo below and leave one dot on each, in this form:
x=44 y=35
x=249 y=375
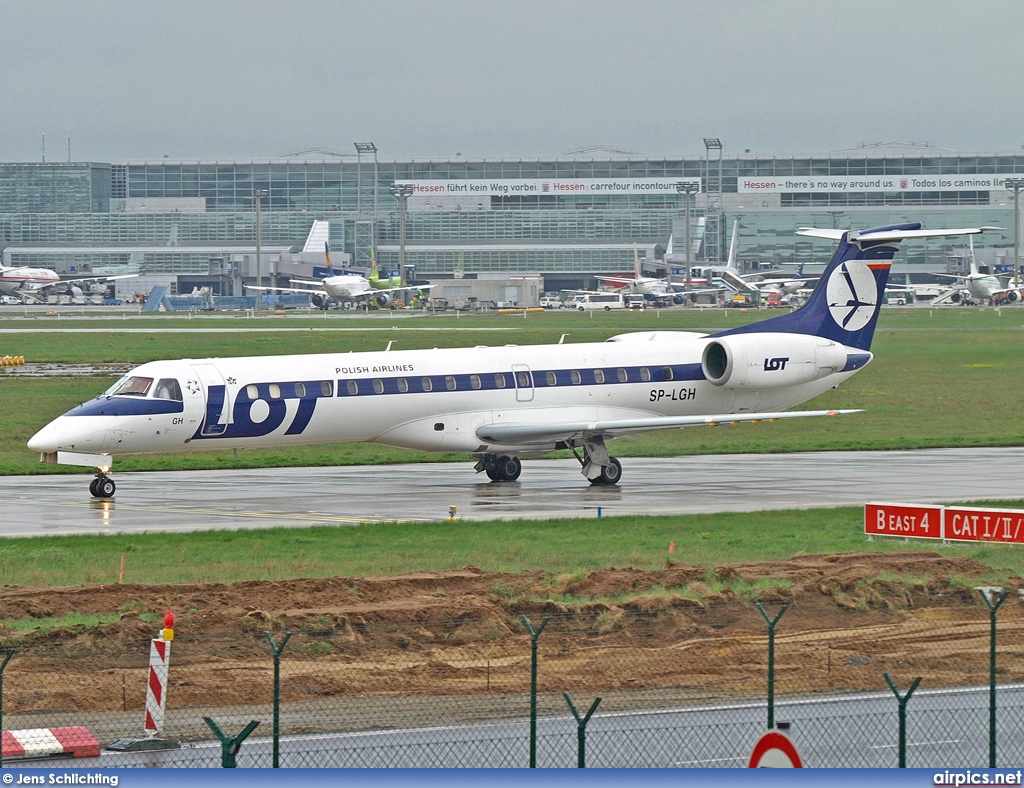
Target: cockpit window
x=132 y=387
x=168 y=388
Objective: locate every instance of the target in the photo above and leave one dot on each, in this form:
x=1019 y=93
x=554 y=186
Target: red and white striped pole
x=156 y=691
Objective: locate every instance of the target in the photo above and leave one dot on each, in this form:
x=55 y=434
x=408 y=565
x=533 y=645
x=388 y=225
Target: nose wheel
x=102 y=487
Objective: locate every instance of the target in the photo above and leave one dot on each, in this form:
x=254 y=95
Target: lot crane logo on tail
x=852 y=296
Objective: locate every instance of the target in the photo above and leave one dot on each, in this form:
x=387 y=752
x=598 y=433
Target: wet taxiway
x=347 y=495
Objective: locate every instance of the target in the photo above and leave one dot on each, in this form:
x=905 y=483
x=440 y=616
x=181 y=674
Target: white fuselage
x=982 y=287
x=346 y=285
x=434 y=400
x=27 y=279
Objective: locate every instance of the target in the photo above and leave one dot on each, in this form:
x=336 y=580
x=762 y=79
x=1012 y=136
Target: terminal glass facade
x=57 y=211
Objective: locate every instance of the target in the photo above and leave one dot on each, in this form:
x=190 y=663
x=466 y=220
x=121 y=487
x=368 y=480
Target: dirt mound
x=852 y=580
x=693 y=629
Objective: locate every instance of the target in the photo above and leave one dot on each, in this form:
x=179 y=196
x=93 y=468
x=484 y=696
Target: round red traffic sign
x=774 y=750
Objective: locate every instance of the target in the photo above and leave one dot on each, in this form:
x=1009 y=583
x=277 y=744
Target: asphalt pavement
x=348 y=495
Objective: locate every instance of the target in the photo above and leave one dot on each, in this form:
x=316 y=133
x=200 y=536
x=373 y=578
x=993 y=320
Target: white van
x=586 y=302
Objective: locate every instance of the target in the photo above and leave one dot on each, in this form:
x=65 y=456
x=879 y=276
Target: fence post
x=277 y=692
x=534 y=634
x=902 y=700
x=581 y=730
x=10 y=653
x=771 y=661
x=986 y=594
x=229 y=747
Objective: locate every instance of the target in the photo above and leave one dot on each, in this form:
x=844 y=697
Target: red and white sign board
x=897 y=519
x=968 y=524
x=774 y=750
x=955 y=523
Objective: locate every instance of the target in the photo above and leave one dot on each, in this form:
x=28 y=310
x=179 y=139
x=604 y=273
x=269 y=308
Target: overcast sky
x=138 y=80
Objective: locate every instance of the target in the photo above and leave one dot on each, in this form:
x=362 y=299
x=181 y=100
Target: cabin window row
x=292 y=390
x=501 y=380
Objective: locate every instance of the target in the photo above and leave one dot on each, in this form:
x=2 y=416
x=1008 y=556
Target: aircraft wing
x=548 y=432
x=97 y=278
x=392 y=289
x=286 y=289
x=40 y=287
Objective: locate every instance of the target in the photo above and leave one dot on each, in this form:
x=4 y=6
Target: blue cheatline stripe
x=497 y=381
x=126 y=406
x=309 y=391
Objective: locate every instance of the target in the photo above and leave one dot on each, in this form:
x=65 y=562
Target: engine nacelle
x=382 y=299
x=1012 y=296
x=768 y=361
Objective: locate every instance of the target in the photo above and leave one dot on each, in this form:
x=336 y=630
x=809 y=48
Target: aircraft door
x=215 y=394
x=524 y=382
x=112 y=440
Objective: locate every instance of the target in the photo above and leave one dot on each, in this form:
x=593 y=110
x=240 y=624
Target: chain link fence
x=685 y=686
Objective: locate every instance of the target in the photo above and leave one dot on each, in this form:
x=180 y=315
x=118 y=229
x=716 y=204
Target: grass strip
x=548 y=546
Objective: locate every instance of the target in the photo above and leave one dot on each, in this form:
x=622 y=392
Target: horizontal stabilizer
x=889 y=235
x=541 y=433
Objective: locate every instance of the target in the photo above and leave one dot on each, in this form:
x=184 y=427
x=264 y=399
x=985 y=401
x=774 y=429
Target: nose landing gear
x=102 y=486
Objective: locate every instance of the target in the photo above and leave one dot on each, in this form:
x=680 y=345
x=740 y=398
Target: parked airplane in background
x=645 y=285
x=340 y=287
x=499 y=404
x=32 y=283
x=786 y=285
x=980 y=288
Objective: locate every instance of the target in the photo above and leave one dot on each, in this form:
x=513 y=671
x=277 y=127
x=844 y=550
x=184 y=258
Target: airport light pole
x=1015 y=185
x=402 y=192
x=257 y=196
x=687 y=188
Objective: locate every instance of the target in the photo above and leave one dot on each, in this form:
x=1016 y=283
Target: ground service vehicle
x=589 y=302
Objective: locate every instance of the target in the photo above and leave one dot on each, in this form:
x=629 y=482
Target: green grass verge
x=555 y=547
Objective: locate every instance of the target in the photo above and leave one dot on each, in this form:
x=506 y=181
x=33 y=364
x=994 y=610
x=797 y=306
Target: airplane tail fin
x=327 y=253
x=732 y=245
x=845 y=304
x=636 y=264
x=974 y=263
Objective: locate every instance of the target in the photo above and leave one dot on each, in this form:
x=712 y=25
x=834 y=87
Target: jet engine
x=318 y=301
x=382 y=299
x=767 y=361
x=1012 y=296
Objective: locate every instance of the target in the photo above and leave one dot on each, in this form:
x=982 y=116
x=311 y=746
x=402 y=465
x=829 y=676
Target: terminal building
x=566 y=220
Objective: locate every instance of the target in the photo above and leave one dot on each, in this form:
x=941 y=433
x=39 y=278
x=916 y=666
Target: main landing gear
x=102 y=486
x=500 y=468
x=598 y=467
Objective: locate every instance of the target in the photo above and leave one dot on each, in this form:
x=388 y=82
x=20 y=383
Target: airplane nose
x=46 y=439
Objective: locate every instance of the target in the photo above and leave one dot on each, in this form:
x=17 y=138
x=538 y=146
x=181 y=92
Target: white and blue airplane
x=500 y=404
